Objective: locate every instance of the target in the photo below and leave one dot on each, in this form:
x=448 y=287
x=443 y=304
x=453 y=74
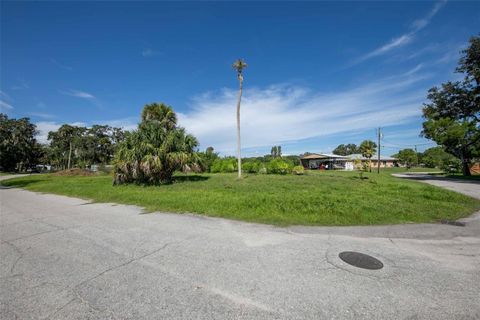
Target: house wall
x=373 y=164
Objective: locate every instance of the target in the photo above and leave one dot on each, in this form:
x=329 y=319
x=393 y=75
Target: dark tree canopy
x=452 y=117
x=470 y=61
x=345 y=150
x=19 y=149
x=84 y=146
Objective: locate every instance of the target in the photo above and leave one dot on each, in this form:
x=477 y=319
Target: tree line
x=69 y=146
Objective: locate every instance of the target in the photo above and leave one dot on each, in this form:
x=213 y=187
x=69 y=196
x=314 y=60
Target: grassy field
x=317 y=198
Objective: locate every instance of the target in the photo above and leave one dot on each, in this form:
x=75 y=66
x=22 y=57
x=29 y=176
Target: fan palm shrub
x=153 y=152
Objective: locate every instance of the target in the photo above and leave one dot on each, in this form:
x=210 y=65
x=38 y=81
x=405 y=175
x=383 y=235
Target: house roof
x=358 y=156
x=323 y=156
x=349 y=157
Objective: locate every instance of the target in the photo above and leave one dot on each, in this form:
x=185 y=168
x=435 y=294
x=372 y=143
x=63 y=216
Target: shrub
x=224 y=165
x=452 y=165
x=252 y=166
x=153 y=152
x=278 y=166
x=298 y=170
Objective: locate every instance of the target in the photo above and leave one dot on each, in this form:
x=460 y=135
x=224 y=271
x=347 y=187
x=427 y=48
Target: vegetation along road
x=66 y=258
x=317 y=198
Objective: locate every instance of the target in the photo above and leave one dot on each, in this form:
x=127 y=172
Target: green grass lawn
x=317 y=198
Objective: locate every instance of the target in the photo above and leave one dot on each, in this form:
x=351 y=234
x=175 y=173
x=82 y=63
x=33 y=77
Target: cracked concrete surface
x=60 y=259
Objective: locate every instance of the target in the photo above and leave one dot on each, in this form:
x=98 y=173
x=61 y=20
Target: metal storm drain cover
x=361 y=260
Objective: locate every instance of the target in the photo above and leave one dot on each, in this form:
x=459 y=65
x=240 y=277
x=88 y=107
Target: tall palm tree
x=238 y=66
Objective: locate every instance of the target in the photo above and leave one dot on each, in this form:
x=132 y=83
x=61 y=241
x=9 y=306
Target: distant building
x=326 y=161
x=385 y=162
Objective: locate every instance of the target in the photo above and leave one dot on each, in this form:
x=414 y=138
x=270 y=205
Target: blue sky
x=320 y=73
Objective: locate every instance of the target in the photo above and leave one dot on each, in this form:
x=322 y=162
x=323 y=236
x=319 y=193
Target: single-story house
x=326 y=161
x=385 y=162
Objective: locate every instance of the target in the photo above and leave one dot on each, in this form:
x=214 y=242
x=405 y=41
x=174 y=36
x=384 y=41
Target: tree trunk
x=69 y=155
x=465 y=167
x=240 y=79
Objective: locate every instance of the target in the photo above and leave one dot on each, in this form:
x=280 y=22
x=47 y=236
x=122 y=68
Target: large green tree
x=346 y=149
x=452 y=117
x=66 y=144
x=407 y=157
x=153 y=152
x=368 y=148
x=19 y=149
x=72 y=146
x=437 y=157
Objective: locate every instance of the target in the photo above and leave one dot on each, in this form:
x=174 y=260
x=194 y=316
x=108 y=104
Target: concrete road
x=65 y=258
x=469 y=187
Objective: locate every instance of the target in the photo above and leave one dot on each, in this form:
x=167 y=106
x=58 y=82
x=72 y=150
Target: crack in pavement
x=85 y=301
x=20 y=256
x=59 y=309
x=39 y=233
x=125 y=263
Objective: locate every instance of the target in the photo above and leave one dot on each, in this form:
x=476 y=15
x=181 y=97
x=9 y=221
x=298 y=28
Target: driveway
x=66 y=258
x=469 y=187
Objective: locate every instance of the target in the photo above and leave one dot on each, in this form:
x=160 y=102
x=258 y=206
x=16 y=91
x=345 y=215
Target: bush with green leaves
x=298 y=170
x=252 y=166
x=278 y=166
x=224 y=165
x=452 y=165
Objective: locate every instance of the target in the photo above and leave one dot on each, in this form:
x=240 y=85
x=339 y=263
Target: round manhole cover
x=361 y=260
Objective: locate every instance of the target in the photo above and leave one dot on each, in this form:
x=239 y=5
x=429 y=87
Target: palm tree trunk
x=69 y=155
x=240 y=80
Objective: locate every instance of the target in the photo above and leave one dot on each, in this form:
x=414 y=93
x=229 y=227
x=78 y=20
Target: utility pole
x=69 y=155
x=378 y=158
x=416 y=156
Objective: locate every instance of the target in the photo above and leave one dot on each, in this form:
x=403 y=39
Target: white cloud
x=419 y=24
x=5 y=106
x=78 y=94
x=4 y=95
x=43 y=128
x=394 y=43
x=406 y=38
x=63 y=66
x=21 y=86
x=149 y=52
x=284 y=114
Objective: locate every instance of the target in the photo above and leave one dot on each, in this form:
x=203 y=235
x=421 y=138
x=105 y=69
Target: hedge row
x=274 y=166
